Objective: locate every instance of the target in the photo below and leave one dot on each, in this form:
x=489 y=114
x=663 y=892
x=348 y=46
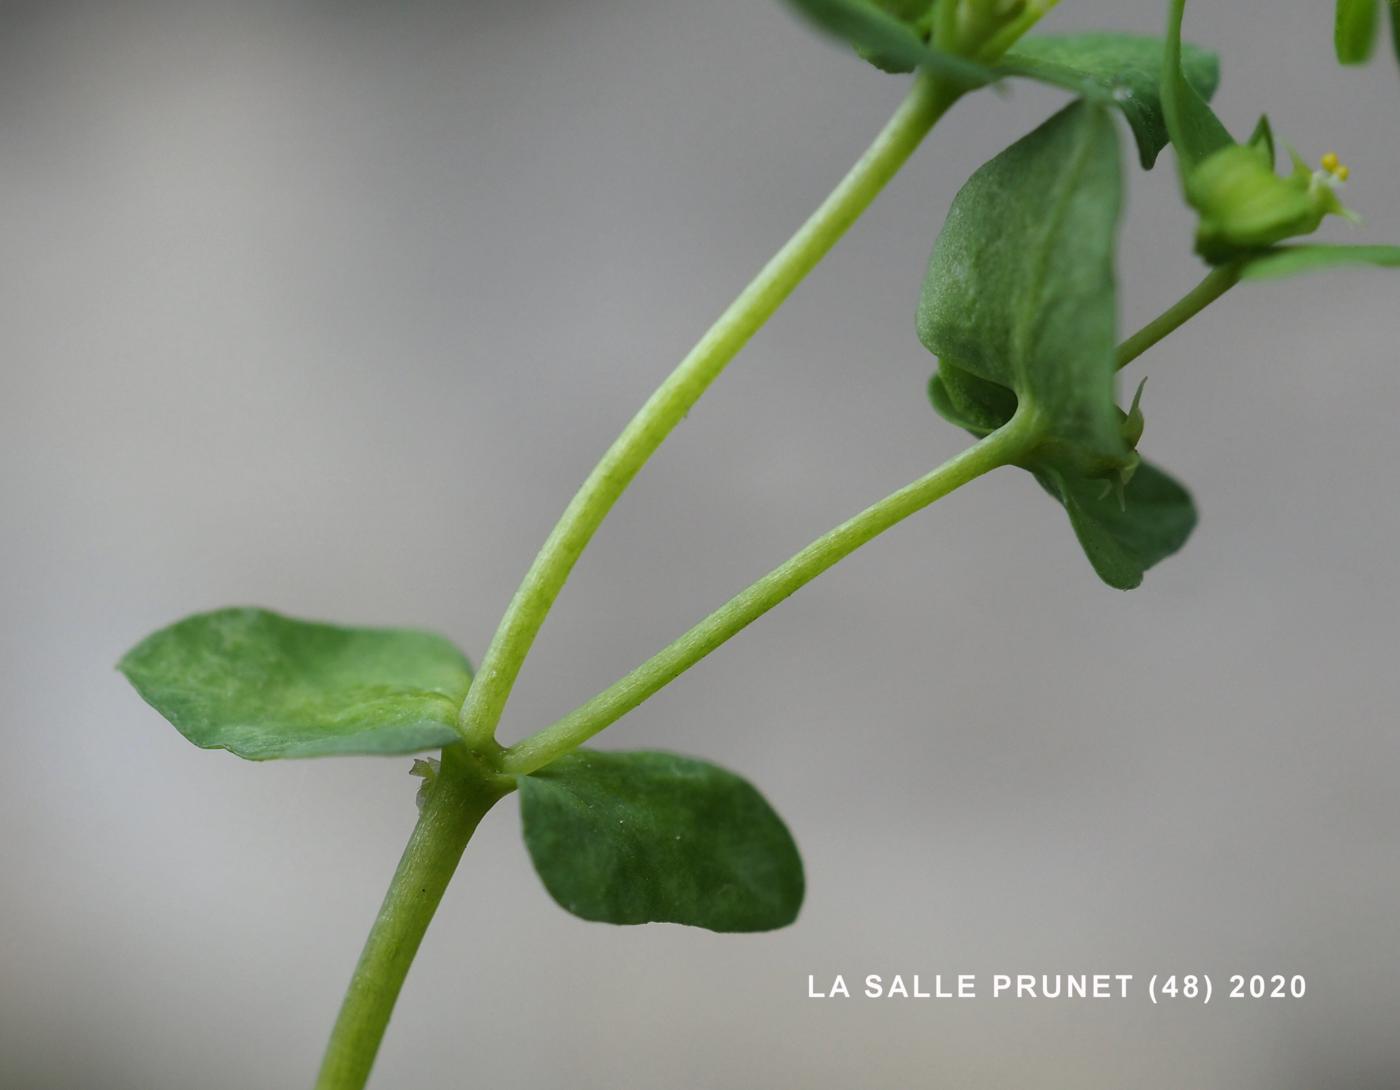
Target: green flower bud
x=1245 y=206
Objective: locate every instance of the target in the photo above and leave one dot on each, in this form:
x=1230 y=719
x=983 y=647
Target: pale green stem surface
x=1002 y=447
x=463 y=792
x=999 y=448
x=1216 y=284
x=500 y=666
x=455 y=803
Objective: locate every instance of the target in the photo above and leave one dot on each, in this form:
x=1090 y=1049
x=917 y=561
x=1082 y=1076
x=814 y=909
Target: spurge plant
x=1018 y=307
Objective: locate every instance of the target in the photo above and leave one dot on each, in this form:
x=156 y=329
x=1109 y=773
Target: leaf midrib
x=1027 y=315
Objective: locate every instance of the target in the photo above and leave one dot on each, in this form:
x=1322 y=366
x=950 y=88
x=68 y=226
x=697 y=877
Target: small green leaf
x=1019 y=307
x=1355 y=32
x=887 y=41
x=265 y=686
x=1123 y=536
x=647 y=837
x=1020 y=287
x=1123 y=70
x=1290 y=260
x=1195 y=131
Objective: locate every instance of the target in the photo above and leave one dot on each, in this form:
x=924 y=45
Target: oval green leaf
x=1020 y=288
x=1122 y=70
x=1123 y=536
x=264 y=686
x=1019 y=308
x=647 y=837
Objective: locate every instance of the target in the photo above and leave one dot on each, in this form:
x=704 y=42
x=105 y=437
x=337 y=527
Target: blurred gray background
x=330 y=306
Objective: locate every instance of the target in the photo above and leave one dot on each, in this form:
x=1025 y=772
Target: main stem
x=481 y=713
x=455 y=802
x=1002 y=447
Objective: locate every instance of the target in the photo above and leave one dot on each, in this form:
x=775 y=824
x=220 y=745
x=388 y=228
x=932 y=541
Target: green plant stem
x=457 y=800
x=928 y=100
x=1216 y=284
x=1002 y=447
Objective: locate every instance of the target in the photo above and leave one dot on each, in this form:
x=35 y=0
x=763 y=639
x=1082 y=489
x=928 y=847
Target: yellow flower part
x=1335 y=167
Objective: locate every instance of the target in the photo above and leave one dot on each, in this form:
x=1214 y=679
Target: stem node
x=458 y=798
x=926 y=102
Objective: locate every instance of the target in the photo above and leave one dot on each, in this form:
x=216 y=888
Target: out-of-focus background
x=330 y=306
